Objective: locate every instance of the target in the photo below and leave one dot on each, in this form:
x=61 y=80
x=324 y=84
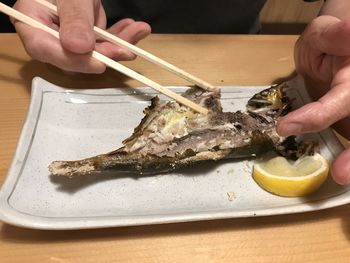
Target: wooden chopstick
x=140 y=52
x=109 y=62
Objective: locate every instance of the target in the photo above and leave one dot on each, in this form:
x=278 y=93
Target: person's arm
x=75 y=22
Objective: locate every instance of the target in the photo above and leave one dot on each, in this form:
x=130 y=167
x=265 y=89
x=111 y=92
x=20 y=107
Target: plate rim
x=12 y=216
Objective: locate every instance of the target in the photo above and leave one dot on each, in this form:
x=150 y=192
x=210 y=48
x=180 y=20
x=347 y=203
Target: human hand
x=322 y=56
x=72 y=52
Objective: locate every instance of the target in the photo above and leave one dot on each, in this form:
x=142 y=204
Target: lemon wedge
x=284 y=178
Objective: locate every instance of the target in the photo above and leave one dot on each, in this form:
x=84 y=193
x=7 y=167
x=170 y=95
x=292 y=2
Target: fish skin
x=172 y=136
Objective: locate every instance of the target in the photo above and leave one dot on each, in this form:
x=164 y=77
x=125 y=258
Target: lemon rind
x=257 y=167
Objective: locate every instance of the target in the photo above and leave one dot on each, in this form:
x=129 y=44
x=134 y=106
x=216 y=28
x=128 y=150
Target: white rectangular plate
x=73 y=124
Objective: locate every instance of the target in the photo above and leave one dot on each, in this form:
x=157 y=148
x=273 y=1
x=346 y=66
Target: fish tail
x=73 y=168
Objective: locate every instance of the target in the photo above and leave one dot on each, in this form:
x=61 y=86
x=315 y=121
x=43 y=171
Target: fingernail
x=291 y=129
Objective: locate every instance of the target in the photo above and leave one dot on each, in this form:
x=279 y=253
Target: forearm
x=337 y=8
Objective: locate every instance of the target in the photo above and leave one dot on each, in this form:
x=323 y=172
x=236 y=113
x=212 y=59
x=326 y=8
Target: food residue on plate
x=231 y=196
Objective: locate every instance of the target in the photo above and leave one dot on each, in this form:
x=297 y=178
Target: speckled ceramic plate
x=73 y=124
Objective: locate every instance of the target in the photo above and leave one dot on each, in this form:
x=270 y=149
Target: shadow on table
x=56 y=76
x=28 y=69
x=288 y=77
x=11 y=60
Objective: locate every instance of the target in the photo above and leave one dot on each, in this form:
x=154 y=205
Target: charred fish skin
x=152 y=164
x=172 y=136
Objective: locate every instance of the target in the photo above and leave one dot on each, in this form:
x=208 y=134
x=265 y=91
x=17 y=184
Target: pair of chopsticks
x=117 y=66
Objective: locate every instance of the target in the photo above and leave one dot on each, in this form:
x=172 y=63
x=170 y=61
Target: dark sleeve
x=5 y=23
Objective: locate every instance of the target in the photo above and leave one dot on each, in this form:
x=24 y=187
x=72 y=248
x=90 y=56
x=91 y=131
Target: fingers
x=77 y=39
x=134 y=32
x=36 y=11
x=77 y=19
x=329 y=35
x=120 y=26
x=341 y=168
x=322 y=55
x=130 y=31
x=51 y=51
x=312 y=50
x=46 y=48
x=326 y=37
x=316 y=116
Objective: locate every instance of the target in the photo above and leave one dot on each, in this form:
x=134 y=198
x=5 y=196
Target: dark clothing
x=190 y=16
x=181 y=16
x=5 y=24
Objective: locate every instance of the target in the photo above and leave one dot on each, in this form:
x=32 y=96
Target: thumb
x=330 y=35
x=77 y=18
x=318 y=115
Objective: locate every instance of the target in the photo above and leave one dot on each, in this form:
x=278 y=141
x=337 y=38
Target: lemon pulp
x=285 y=178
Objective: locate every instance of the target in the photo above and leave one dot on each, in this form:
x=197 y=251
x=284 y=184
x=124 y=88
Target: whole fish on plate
x=171 y=136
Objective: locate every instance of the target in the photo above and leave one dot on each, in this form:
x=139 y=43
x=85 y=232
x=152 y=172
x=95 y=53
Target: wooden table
x=322 y=236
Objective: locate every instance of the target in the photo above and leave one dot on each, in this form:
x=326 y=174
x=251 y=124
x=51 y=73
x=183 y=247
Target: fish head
x=271 y=99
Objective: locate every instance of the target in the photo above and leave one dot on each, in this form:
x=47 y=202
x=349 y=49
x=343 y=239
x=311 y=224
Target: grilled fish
x=171 y=136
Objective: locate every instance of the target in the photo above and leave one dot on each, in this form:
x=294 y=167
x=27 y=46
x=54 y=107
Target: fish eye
x=209 y=102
